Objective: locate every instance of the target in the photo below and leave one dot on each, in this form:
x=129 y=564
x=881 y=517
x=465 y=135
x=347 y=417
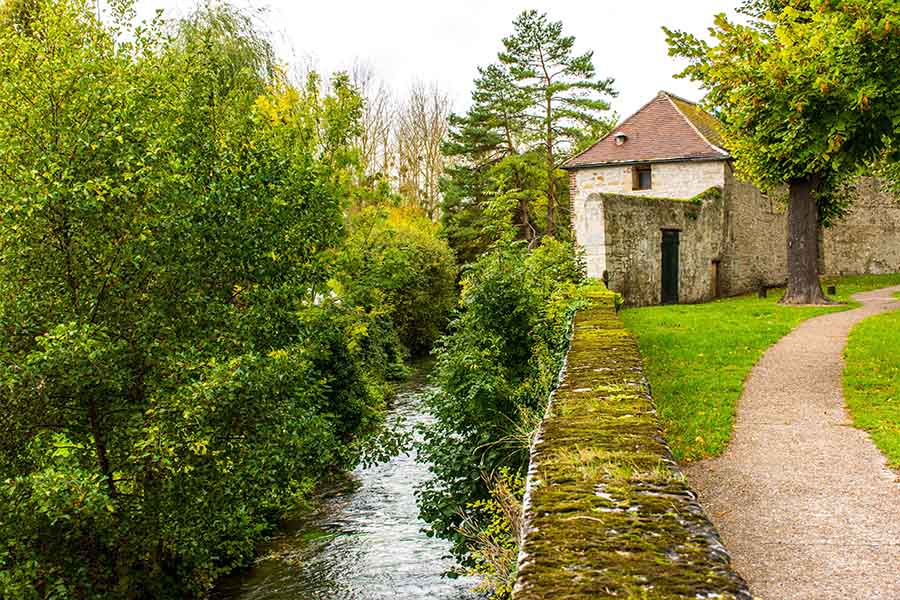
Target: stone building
x=661 y=215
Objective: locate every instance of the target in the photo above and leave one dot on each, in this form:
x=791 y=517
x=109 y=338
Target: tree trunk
x=525 y=223
x=551 y=168
x=803 y=285
x=100 y=448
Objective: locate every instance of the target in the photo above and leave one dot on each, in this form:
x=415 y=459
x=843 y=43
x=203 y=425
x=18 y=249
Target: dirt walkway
x=804 y=502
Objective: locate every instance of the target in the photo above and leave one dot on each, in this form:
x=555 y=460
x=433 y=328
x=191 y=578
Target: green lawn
x=872 y=381
x=847 y=286
x=698 y=356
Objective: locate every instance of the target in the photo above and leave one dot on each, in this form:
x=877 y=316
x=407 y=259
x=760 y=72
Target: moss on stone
x=608 y=513
x=710 y=194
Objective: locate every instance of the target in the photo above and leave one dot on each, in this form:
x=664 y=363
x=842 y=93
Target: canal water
x=364 y=542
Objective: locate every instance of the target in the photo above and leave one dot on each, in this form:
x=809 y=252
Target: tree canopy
x=530 y=111
x=808 y=95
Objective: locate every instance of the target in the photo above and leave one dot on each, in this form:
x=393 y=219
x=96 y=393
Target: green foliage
x=889 y=171
x=872 y=381
x=477 y=142
x=530 y=111
x=495 y=370
x=19 y=14
x=393 y=261
x=173 y=373
x=496 y=542
x=805 y=90
x=758 y=9
x=698 y=356
x=517 y=188
x=545 y=70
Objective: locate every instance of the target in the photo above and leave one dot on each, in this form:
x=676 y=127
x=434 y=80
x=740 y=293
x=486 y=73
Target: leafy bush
x=394 y=259
x=495 y=540
x=495 y=370
x=258 y=429
x=173 y=371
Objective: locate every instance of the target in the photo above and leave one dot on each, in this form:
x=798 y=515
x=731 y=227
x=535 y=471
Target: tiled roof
x=706 y=124
x=666 y=128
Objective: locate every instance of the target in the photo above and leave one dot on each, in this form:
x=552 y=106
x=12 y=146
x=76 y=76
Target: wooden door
x=670 y=241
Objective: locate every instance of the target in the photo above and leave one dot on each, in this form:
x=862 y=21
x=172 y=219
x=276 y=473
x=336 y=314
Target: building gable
x=667 y=128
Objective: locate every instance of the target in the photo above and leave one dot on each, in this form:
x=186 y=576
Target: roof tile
x=666 y=128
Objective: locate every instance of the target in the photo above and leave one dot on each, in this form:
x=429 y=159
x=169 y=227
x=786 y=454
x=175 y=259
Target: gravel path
x=804 y=502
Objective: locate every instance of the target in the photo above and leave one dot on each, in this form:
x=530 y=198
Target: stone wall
x=867 y=240
x=633 y=239
x=590 y=231
x=683 y=179
x=608 y=514
x=754 y=238
x=729 y=245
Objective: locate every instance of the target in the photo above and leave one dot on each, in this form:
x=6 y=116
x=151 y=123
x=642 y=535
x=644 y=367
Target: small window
x=641 y=178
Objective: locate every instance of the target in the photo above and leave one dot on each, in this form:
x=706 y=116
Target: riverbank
x=363 y=540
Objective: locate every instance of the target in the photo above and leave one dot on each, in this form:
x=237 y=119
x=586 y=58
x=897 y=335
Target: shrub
x=495 y=370
x=496 y=536
x=394 y=259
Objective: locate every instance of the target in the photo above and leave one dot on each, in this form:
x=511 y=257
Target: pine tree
x=565 y=97
x=530 y=111
x=478 y=141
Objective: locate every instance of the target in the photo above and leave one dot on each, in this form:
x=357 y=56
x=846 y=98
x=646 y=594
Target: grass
x=872 y=381
x=849 y=285
x=697 y=357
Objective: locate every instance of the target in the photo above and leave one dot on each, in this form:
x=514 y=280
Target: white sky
x=443 y=42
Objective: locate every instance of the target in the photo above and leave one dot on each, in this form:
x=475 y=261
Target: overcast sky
x=443 y=42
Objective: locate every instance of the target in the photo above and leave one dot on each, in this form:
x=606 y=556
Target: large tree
x=566 y=99
x=171 y=372
x=530 y=111
x=809 y=94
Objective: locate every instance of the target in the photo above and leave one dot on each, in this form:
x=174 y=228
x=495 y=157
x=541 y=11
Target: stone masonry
x=634 y=229
x=670 y=179
x=754 y=238
x=732 y=238
x=867 y=240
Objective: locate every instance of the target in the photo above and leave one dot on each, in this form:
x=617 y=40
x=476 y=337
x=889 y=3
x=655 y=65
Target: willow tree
x=171 y=375
x=809 y=95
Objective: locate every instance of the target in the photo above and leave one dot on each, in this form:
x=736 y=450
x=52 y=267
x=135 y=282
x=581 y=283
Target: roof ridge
x=612 y=129
x=677 y=97
x=691 y=123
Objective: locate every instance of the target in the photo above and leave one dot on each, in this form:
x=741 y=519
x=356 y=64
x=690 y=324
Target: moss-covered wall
x=607 y=512
x=633 y=237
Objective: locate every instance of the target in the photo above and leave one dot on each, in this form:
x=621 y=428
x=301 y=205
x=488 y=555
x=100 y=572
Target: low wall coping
x=608 y=513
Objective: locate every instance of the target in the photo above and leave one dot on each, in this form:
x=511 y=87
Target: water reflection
x=365 y=543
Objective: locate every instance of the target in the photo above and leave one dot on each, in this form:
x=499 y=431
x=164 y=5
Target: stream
x=364 y=541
